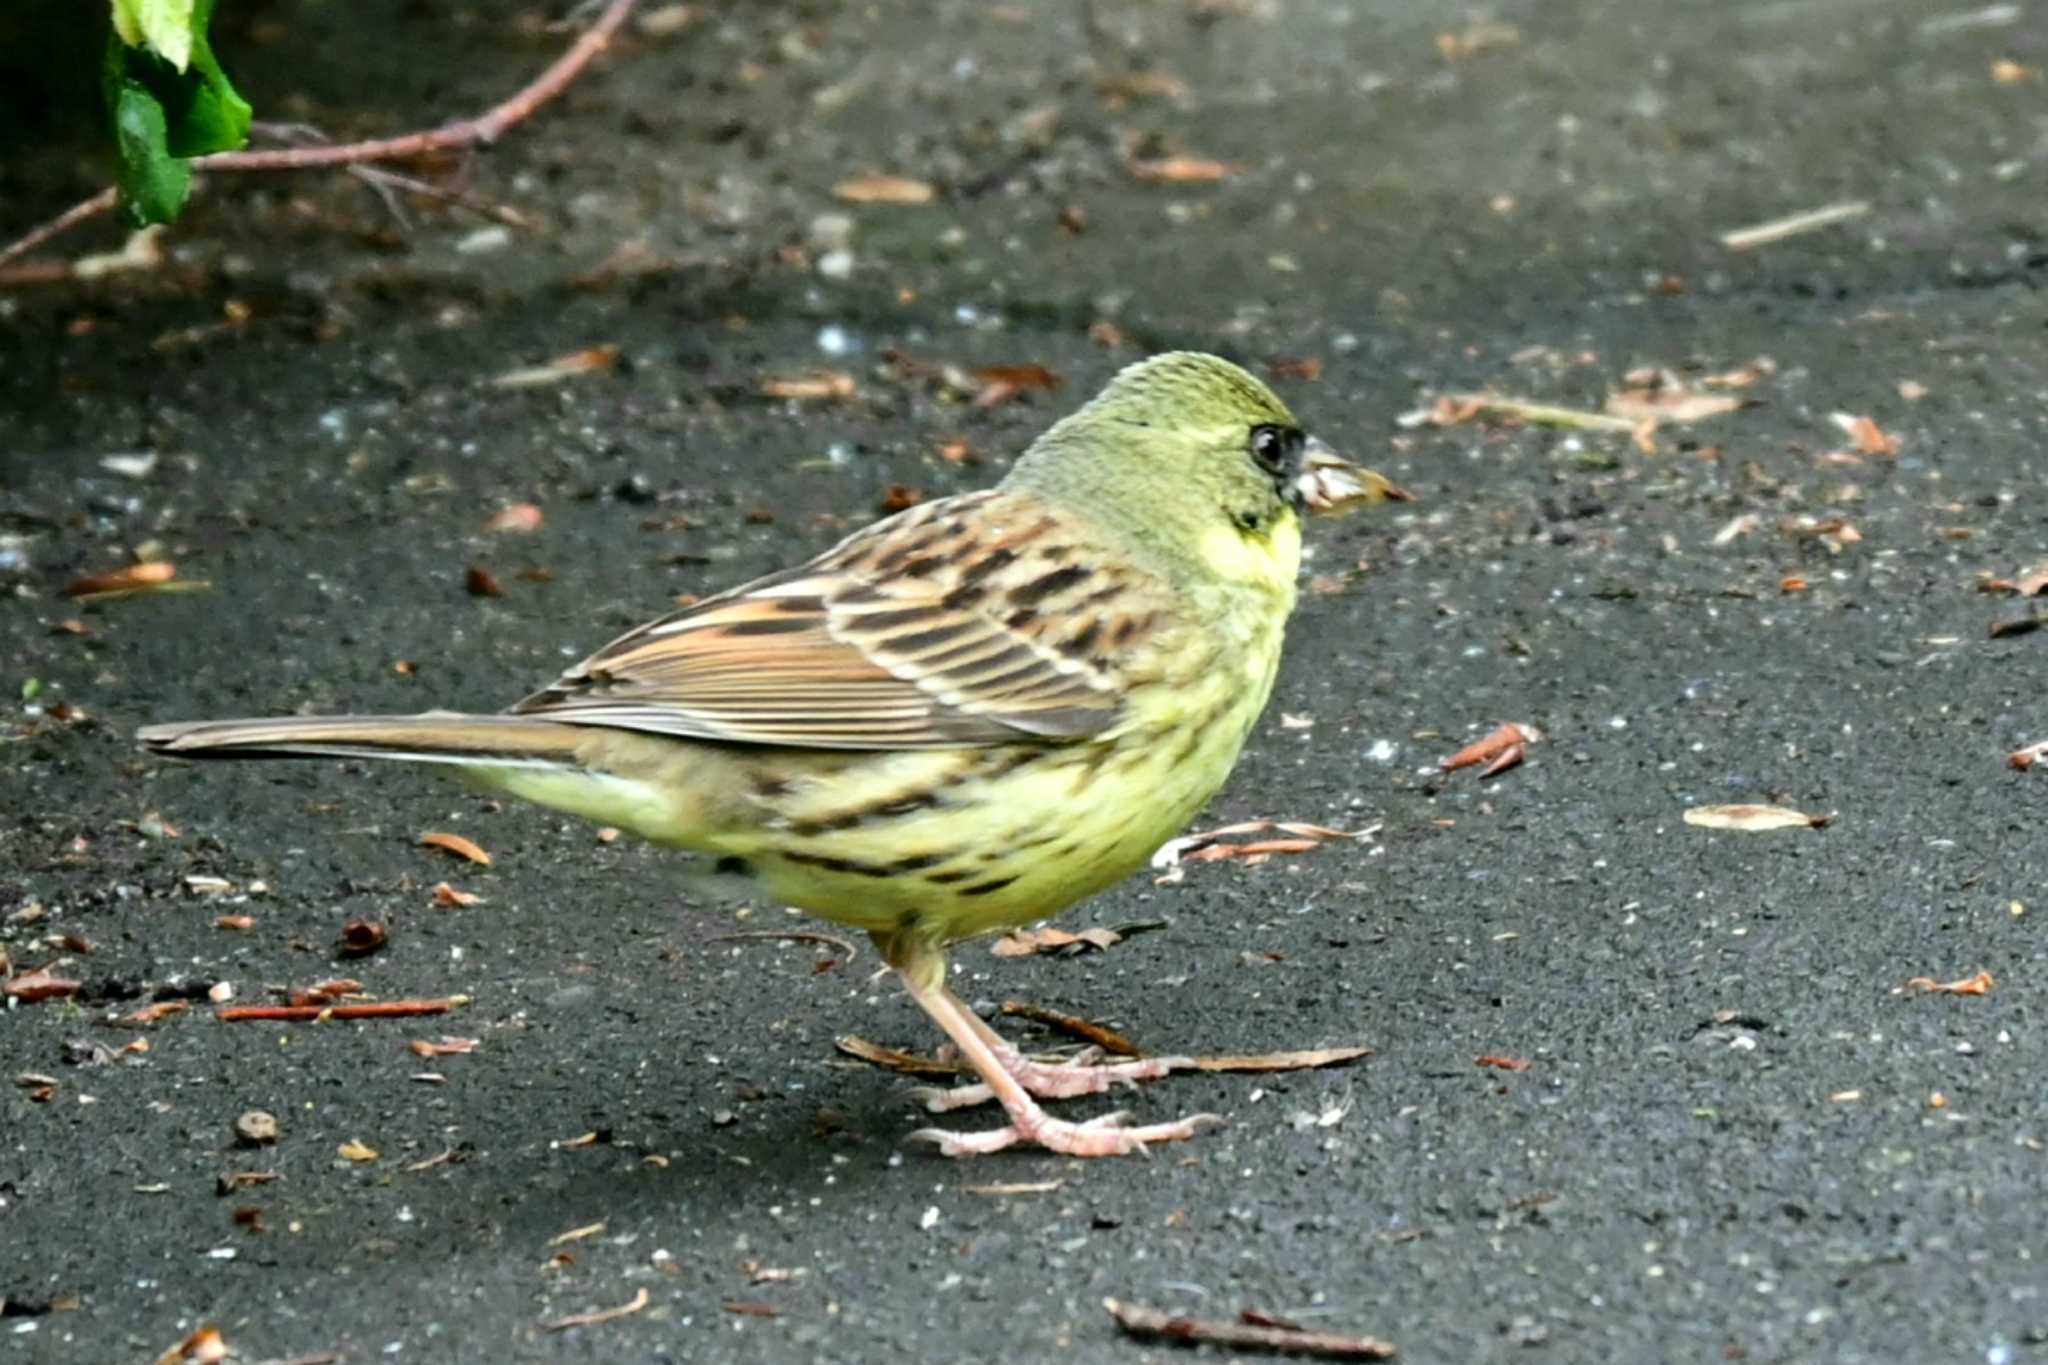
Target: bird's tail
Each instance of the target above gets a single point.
(433, 737)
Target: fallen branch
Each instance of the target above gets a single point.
(482, 130)
(374, 1009)
(1152, 1325)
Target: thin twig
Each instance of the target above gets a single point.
(600, 1315)
(375, 1009)
(103, 202)
(1778, 229)
(1151, 1324)
(482, 130)
(1109, 1040)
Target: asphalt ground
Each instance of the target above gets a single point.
(1740, 1135)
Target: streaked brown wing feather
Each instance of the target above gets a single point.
(966, 622)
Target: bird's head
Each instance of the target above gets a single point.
(1197, 457)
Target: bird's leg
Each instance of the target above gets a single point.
(923, 969)
(1052, 1081)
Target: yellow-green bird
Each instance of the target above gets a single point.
(962, 719)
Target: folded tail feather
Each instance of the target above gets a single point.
(433, 737)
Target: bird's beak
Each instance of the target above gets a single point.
(1327, 483)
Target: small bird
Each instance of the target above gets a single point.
(964, 718)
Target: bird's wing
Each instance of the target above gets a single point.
(976, 620)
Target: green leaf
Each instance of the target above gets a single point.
(165, 26)
(153, 182)
(164, 111)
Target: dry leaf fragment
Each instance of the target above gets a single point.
(1046, 938)
(1506, 742)
(129, 579)
(154, 1014)
(1866, 435)
(810, 384)
(1181, 170)
(2006, 71)
(362, 937)
(884, 189)
(518, 517)
(447, 1047)
(1980, 984)
(1792, 582)
(589, 360)
(899, 496)
(1502, 1063)
(1742, 376)
(239, 923)
(326, 992)
(2026, 758)
(1754, 818)
(204, 1347)
(353, 1150)
(1208, 846)
(32, 987)
(1912, 390)
(1150, 1324)
(1659, 396)
(481, 582)
(448, 897)
(1476, 38)
(998, 384)
(1303, 367)
(894, 1059)
(456, 844)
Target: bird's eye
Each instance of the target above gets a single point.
(1270, 447)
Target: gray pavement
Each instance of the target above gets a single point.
(1738, 1137)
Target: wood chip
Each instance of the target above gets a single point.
(884, 189)
(1181, 170)
(1980, 984)
(127, 579)
(596, 1316)
(449, 898)
(1865, 435)
(589, 360)
(457, 845)
(352, 1150)
(519, 517)
(812, 384)
(1151, 1324)
(1491, 748)
(1501, 1063)
(32, 987)
(2026, 758)
(1754, 818)
(576, 1234)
